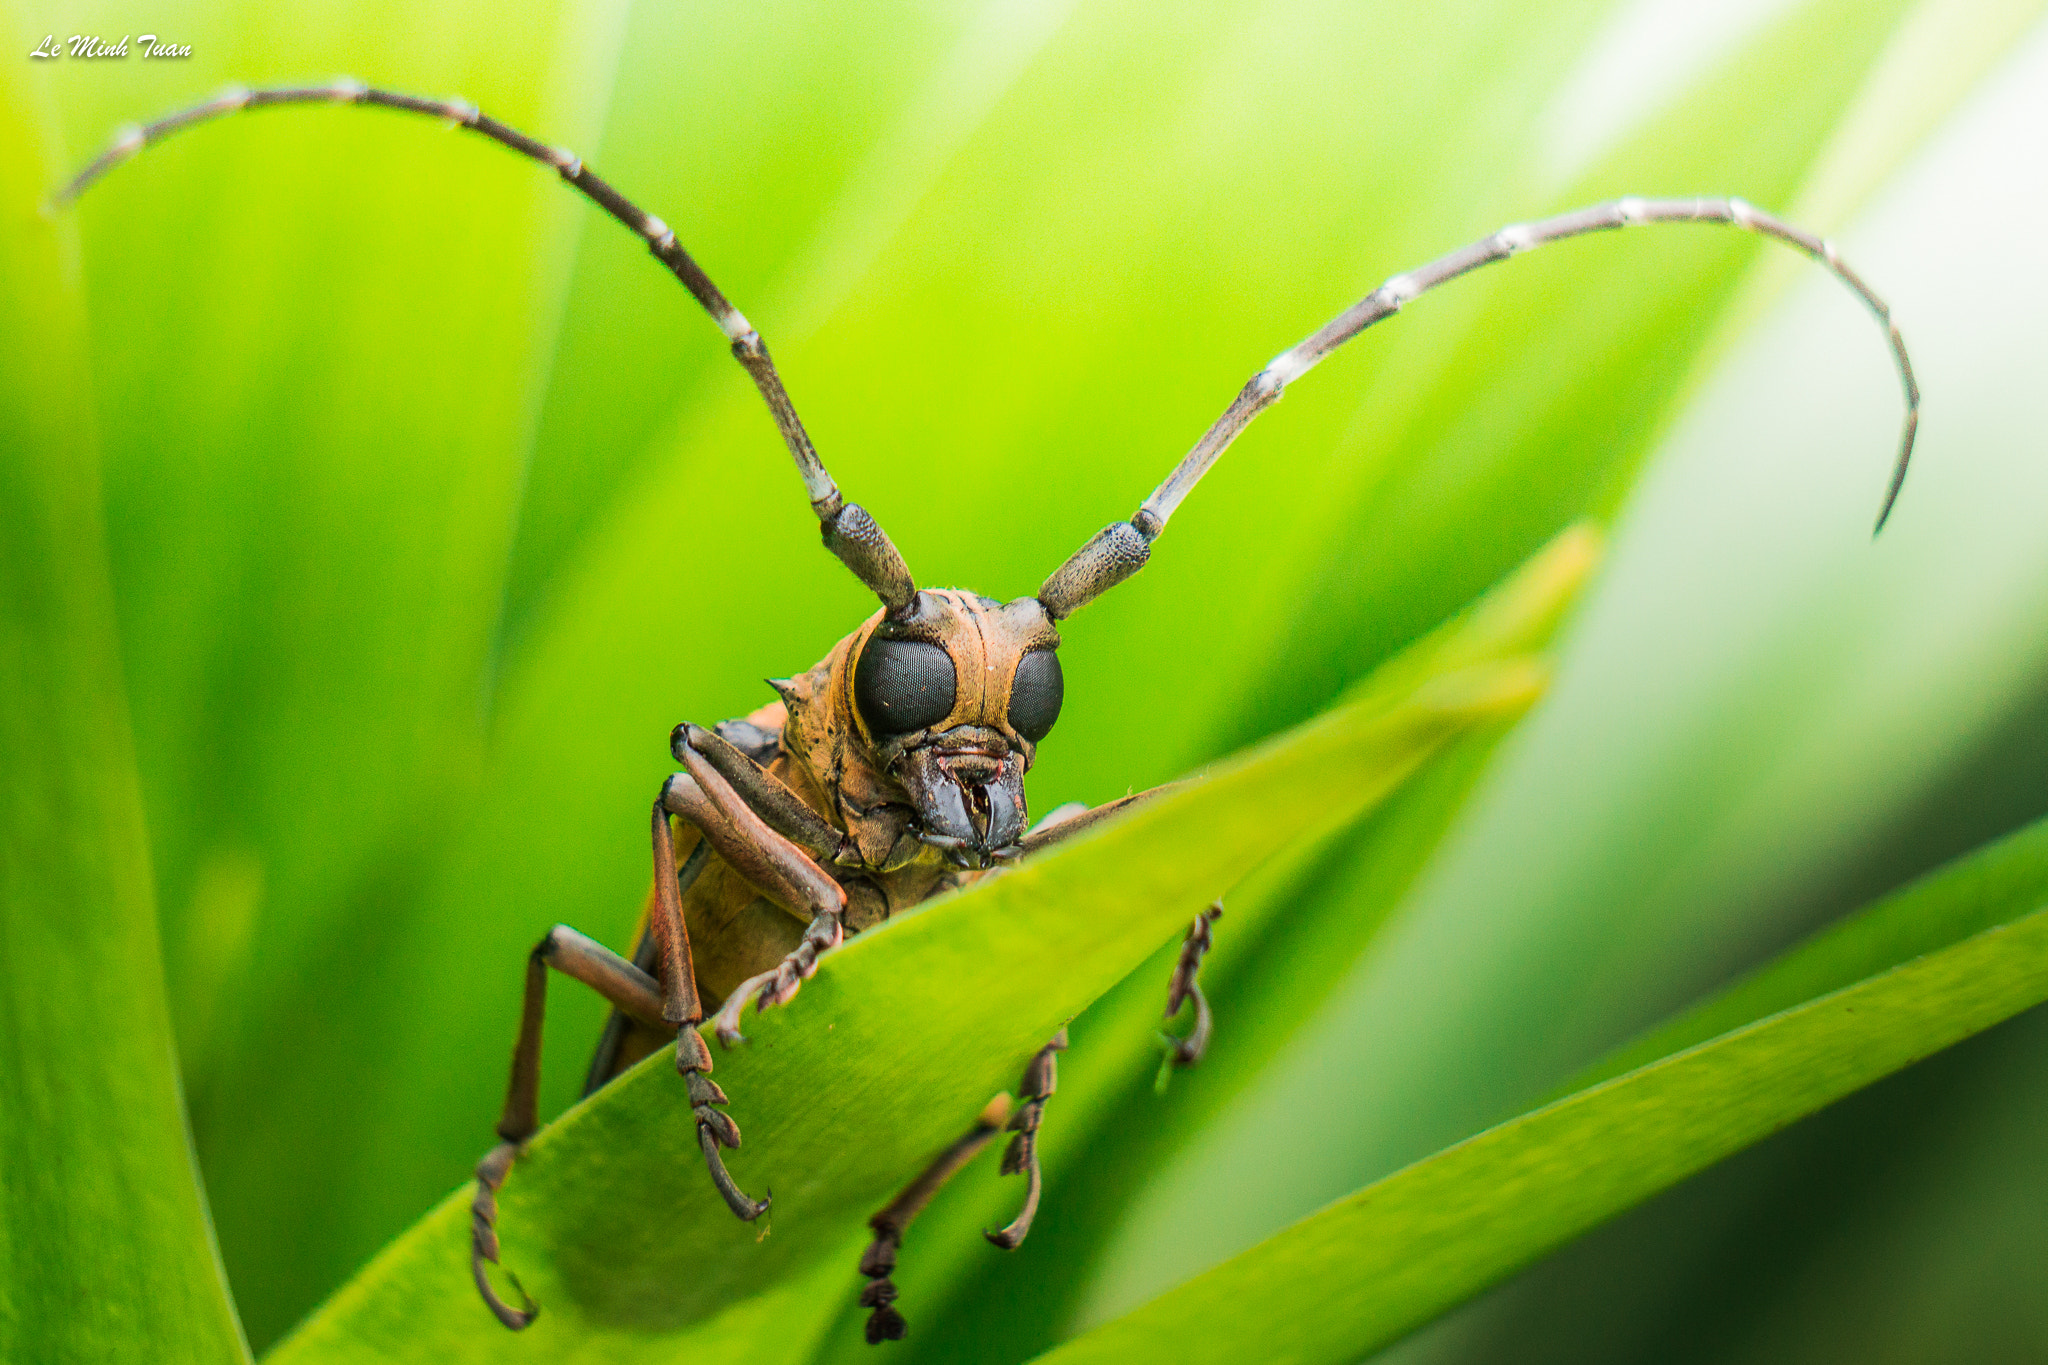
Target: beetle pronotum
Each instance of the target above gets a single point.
(894, 768)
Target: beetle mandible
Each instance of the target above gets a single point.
(893, 769)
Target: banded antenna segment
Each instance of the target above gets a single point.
(1121, 549)
(849, 531)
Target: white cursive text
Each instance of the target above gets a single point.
(90, 46)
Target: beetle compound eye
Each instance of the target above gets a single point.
(1036, 694)
(902, 685)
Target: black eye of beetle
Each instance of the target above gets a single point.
(902, 685)
(1036, 694)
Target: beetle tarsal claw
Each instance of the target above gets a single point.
(1041, 1078)
(483, 1240)
(518, 1319)
(780, 983)
(716, 1129)
(743, 1208)
(1022, 1155)
(1025, 1153)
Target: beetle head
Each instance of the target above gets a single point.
(951, 698)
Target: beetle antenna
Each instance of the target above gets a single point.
(849, 531)
(1120, 550)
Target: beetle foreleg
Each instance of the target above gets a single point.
(771, 863)
(779, 869)
(647, 954)
(764, 793)
(631, 991)
(1041, 1078)
(782, 981)
(682, 1007)
(1186, 1051)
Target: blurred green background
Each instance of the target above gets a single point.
(431, 505)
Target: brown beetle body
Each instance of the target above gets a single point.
(816, 743)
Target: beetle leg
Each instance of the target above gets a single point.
(782, 981)
(634, 993)
(780, 870)
(1062, 824)
(770, 862)
(681, 1006)
(1041, 1078)
(764, 793)
(1186, 1051)
(606, 1058)
(878, 1262)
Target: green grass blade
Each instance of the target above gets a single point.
(1997, 883)
(318, 337)
(890, 1050)
(105, 1252)
(1932, 1170)
(1379, 1263)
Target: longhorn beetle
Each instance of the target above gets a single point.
(894, 769)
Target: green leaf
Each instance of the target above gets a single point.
(317, 401)
(105, 1251)
(1363, 1272)
(1997, 883)
(899, 1040)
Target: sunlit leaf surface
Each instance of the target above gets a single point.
(105, 1251)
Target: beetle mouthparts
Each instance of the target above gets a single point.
(968, 803)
